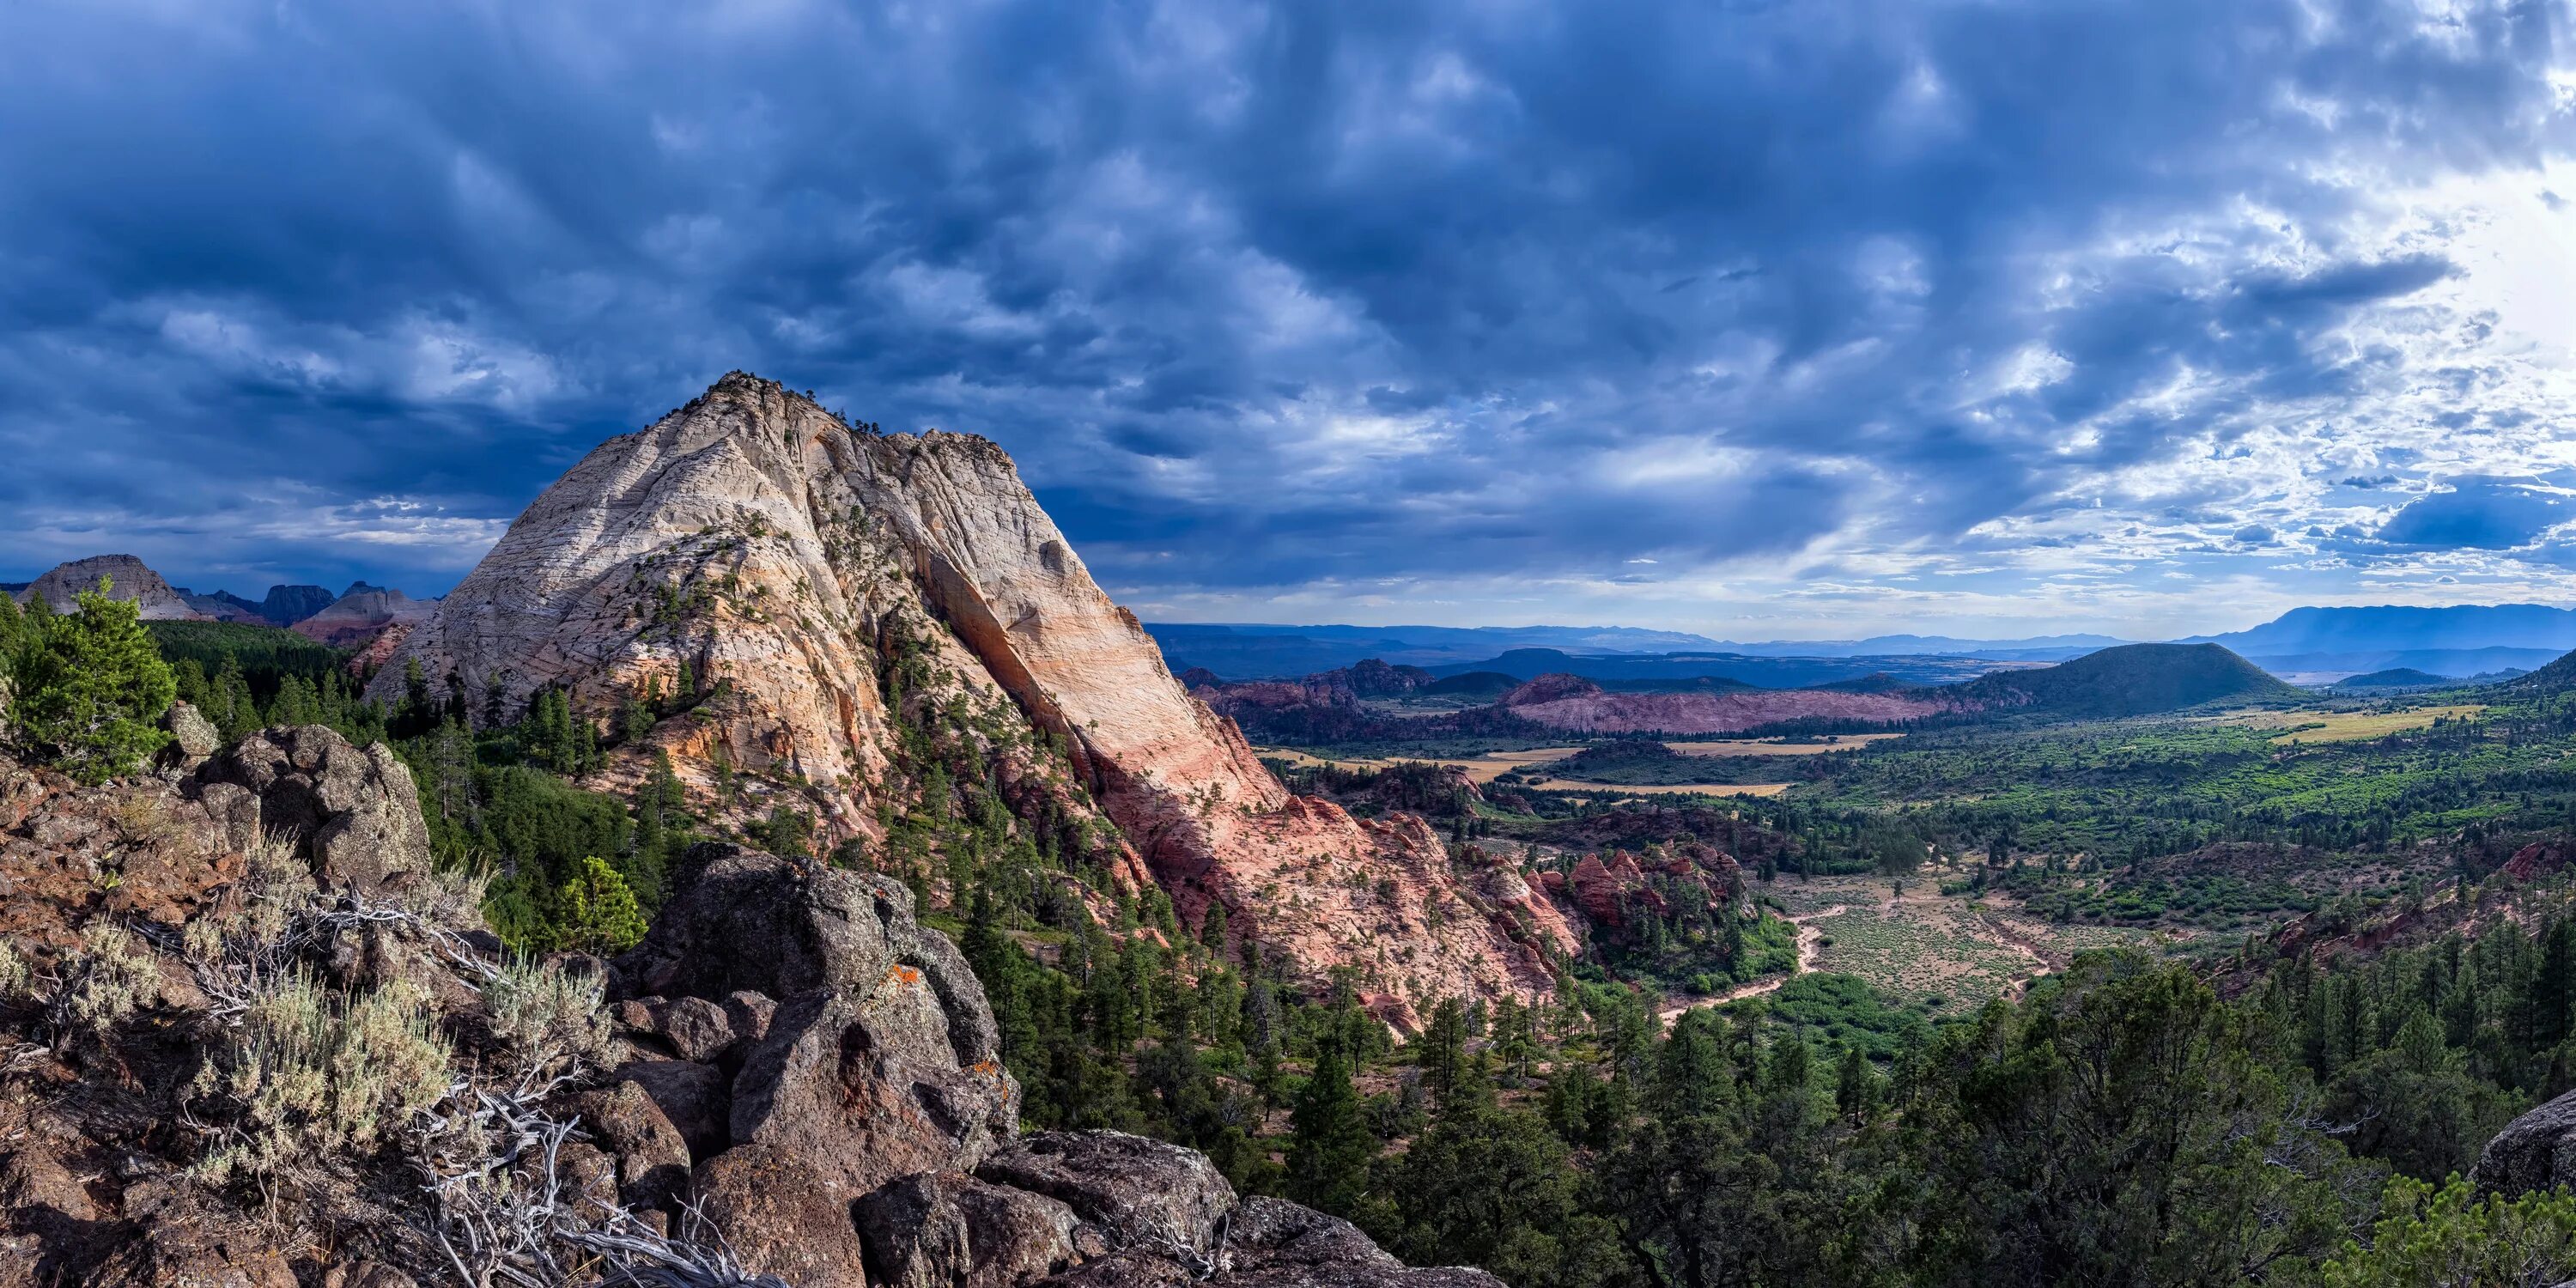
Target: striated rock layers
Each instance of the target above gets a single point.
(128, 578)
(775, 573)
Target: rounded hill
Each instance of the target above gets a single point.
(2130, 680)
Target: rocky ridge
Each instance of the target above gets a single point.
(787, 564)
(789, 1083)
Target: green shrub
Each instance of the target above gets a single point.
(311, 1076)
(600, 913)
(550, 1016)
(2449, 1237)
(114, 976)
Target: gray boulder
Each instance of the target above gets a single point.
(2533, 1152)
(950, 1231)
(1268, 1232)
(353, 808)
(869, 1090)
(192, 736)
(774, 1217)
(759, 923)
(1139, 1193)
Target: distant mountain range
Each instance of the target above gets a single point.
(356, 617)
(1257, 650)
(1784, 672)
(2037, 648)
(2304, 645)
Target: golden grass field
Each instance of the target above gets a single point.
(2348, 726)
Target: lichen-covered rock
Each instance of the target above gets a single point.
(353, 808)
(779, 1220)
(2534, 1152)
(947, 1231)
(694, 1097)
(1268, 1232)
(1125, 1270)
(758, 923)
(192, 736)
(1340, 1275)
(869, 1090)
(1139, 1193)
(696, 1028)
(652, 1156)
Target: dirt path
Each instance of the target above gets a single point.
(1810, 943)
(1992, 928)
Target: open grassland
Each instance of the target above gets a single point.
(1954, 954)
(2348, 726)
(1780, 746)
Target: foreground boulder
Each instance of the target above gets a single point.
(158, 849)
(2534, 1152)
(870, 1131)
(353, 808)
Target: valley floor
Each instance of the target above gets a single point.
(1949, 952)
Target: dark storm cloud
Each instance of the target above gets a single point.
(1258, 296)
(2479, 513)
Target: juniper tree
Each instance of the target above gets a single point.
(92, 686)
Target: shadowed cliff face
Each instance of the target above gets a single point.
(783, 561)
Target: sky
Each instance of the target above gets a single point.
(1750, 318)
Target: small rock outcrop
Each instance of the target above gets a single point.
(2534, 1152)
(354, 808)
(159, 848)
(128, 578)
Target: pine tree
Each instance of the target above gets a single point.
(600, 913)
(1329, 1145)
(416, 711)
(17, 636)
(1443, 1056)
(239, 710)
(92, 687)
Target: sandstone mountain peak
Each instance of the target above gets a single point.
(807, 604)
(128, 577)
(363, 614)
